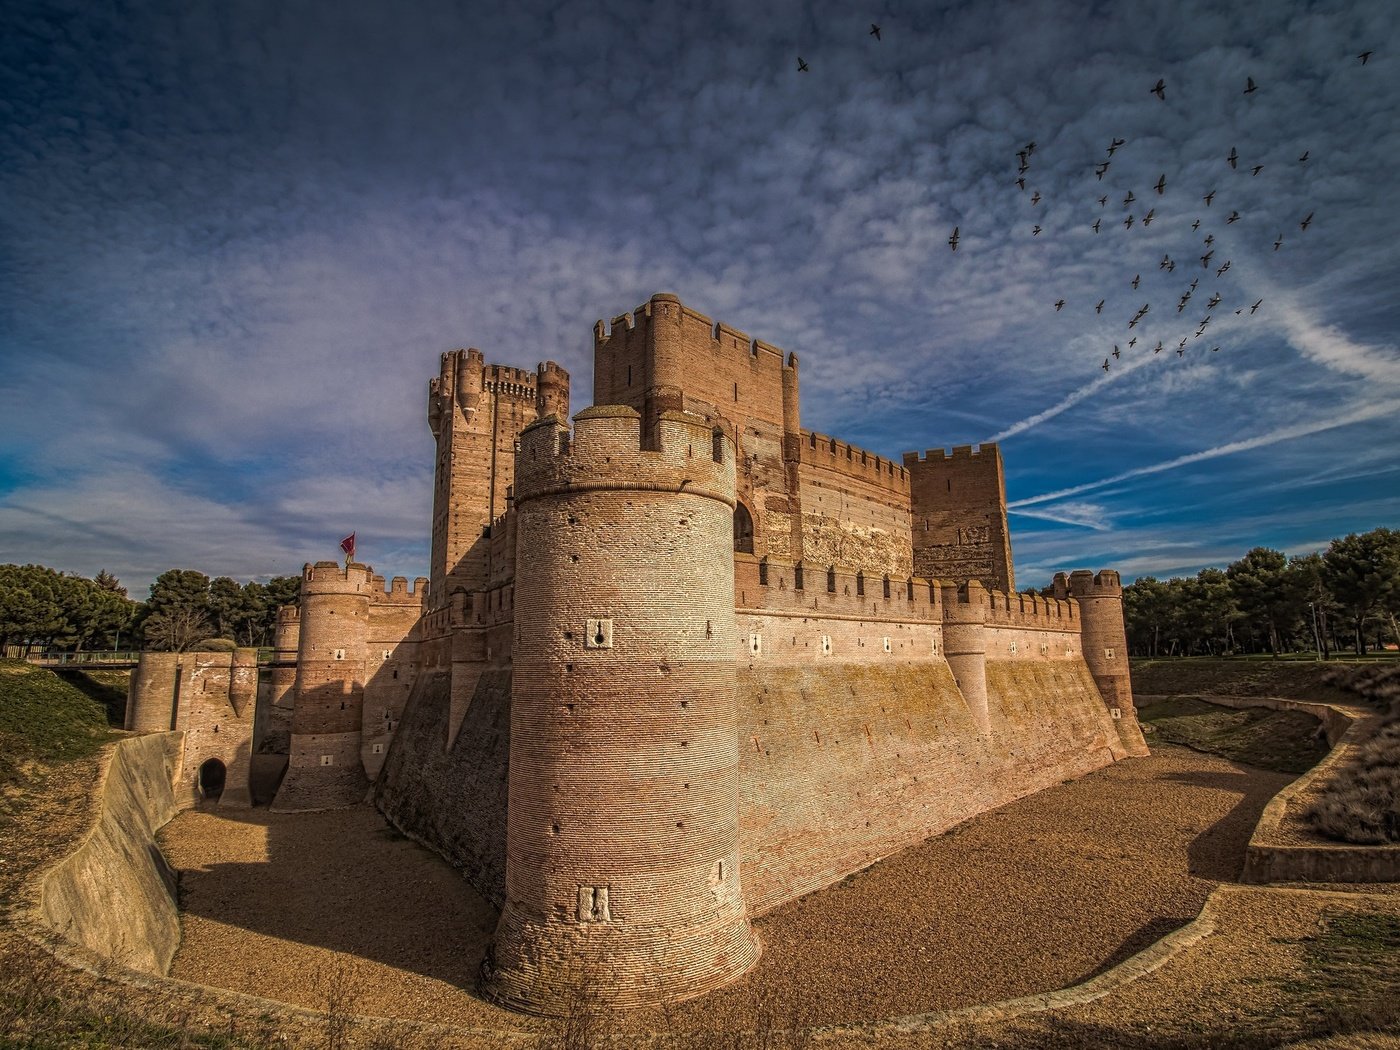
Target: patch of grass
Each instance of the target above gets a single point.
(1235, 676)
(1283, 741)
(44, 719)
(1352, 983)
(1360, 804)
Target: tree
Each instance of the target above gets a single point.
(176, 628)
(1363, 573)
(179, 601)
(1267, 593)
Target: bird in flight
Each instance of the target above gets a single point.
(801, 65)
(1256, 306)
(1210, 239)
(1035, 197)
(1059, 304)
(1096, 225)
(1098, 309)
(1208, 198)
(1256, 169)
(1306, 222)
(1161, 184)
(1304, 158)
(874, 30)
(953, 240)
(1132, 342)
(1158, 348)
(1113, 146)
(1233, 158)
(1103, 200)
(1220, 272)
(1234, 217)
(1116, 352)
(1195, 281)
(1213, 349)
(1035, 231)
(1171, 266)
(1365, 56)
(1147, 219)
(1021, 185)
(1278, 243)
(1101, 170)
(1181, 351)
(1104, 366)
(1160, 89)
(1196, 225)
(1128, 223)
(1250, 86)
(1213, 301)
(1205, 259)
(1030, 147)
(1128, 199)
(1135, 284)
(1163, 264)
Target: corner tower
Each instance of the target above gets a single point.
(476, 412)
(958, 511)
(622, 856)
(1104, 641)
(324, 770)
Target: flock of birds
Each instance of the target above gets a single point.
(1156, 194)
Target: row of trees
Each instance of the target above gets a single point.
(1346, 597)
(41, 608)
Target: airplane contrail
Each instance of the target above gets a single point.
(1244, 445)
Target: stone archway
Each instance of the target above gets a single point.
(212, 775)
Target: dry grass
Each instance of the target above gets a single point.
(1360, 804)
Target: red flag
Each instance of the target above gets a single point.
(348, 546)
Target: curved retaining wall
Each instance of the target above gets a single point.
(116, 894)
(1270, 861)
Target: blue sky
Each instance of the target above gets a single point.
(234, 238)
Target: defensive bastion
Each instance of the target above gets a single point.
(673, 668)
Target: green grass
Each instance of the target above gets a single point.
(45, 718)
(1233, 676)
(1352, 979)
(1283, 741)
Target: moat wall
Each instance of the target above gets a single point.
(453, 799)
(116, 895)
(841, 763)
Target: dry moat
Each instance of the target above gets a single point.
(1034, 896)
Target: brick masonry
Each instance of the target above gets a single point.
(672, 668)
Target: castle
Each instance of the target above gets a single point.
(672, 668)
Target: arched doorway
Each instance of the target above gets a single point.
(743, 530)
(211, 778)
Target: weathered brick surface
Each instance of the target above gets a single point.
(958, 512)
(210, 698)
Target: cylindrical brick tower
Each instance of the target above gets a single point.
(667, 363)
(622, 859)
(965, 645)
(1104, 641)
(551, 391)
(324, 769)
(151, 695)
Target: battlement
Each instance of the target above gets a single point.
(606, 451)
(958, 452)
(829, 453)
(776, 585)
(1106, 583)
(1031, 610)
(505, 381)
(328, 577)
(695, 329)
(288, 614)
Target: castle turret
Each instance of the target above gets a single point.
(324, 769)
(476, 412)
(153, 693)
(1104, 640)
(622, 860)
(965, 645)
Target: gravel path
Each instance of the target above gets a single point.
(1034, 896)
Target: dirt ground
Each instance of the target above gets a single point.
(1035, 896)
